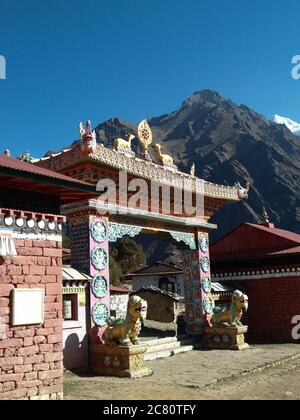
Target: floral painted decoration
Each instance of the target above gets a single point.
(100, 314)
(203, 243)
(205, 265)
(99, 258)
(99, 231)
(206, 284)
(100, 286)
(208, 305)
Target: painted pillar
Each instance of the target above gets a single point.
(90, 253)
(197, 278)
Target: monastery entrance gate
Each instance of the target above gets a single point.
(90, 235)
(95, 222)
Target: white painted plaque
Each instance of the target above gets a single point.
(28, 307)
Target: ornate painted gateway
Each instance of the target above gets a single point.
(138, 194)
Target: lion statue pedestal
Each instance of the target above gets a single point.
(227, 332)
(225, 338)
(122, 355)
(120, 361)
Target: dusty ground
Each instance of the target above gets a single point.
(263, 372)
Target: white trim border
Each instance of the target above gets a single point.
(37, 236)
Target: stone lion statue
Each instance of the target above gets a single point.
(126, 332)
(231, 317)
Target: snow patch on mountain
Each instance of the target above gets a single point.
(293, 126)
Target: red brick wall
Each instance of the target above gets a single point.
(272, 305)
(31, 357)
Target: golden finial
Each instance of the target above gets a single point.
(265, 216)
(145, 136)
(193, 170)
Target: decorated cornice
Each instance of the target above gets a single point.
(29, 225)
(187, 238)
(139, 168)
(257, 274)
(118, 231)
(32, 215)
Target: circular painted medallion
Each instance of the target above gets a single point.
(20, 222)
(51, 225)
(99, 258)
(205, 264)
(100, 286)
(208, 305)
(203, 243)
(100, 314)
(41, 224)
(99, 231)
(8, 221)
(30, 223)
(206, 284)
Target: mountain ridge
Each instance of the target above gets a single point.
(228, 143)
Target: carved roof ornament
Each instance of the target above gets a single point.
(166, 160)
(26, 157)
(124, 146)
(87, 138)
(165, 174)
(242, 192)
(193, 170)
(145, 137)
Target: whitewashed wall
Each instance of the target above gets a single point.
(147, 281)
(118, 303)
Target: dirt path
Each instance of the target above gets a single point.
(281, 383)
(185, 377)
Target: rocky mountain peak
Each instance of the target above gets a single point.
(203, 97)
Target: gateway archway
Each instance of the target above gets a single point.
(90, 233)
(90, 237)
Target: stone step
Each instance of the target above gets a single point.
(183, 349)
(157, 355)
(155, 341)
(170, 345)
(161, 348)
(167, 353)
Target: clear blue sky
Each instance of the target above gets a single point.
(70, 60)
